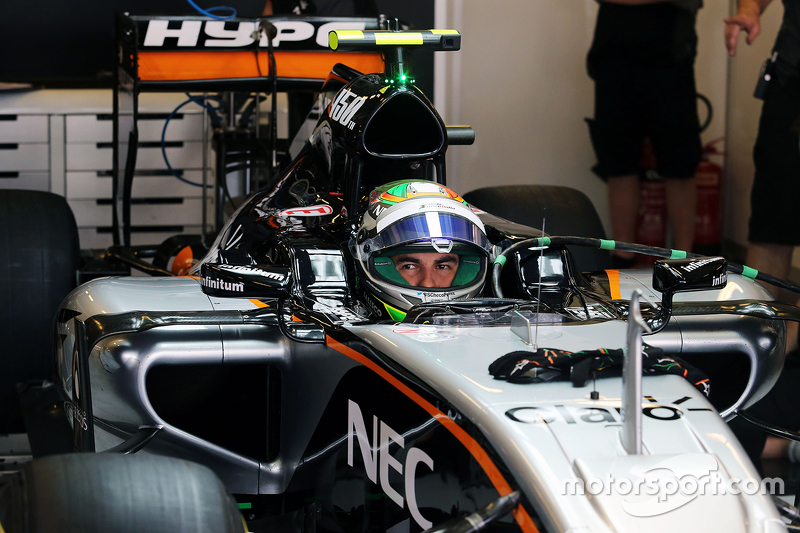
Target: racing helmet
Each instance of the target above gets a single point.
(410, 217)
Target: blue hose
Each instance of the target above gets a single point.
(209, 12)
(213, 110)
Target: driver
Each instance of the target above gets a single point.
(429, 270)
(418, 242)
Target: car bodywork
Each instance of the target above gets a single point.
(320, 410)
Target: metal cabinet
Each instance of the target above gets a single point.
(61, 141)
(24, 151)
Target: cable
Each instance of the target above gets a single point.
(604, 244)
(766, 427)
(215, 118)
(271, 32)
(258, 64)
(209, 12)
(257, 42)
(710, 109)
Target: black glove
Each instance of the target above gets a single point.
(546, 364)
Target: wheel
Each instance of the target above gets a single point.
(567, 212)
(94, 493)
(39, 256)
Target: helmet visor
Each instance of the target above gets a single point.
(427, 227)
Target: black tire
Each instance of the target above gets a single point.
(567, 212)
(39, 255)
(94, 493)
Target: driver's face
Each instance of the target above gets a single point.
(430, 270)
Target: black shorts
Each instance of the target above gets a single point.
(774, 212)
(632, 103)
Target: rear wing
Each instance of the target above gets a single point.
(174, 53)
(197, 54)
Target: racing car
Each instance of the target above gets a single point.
(296, 360)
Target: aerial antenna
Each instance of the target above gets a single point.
(539, 293)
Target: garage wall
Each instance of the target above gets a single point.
(520, 80)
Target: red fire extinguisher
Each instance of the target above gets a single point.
(708, 232)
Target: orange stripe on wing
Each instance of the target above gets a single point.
(613, 283)
(500, 484)
(205, 65)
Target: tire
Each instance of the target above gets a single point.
(567, 212)
(94, 493)
(39, 256)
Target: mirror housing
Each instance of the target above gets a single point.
(671, 276)
(684, 275)
(245, 281)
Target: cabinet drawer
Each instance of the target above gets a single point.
(164, 212)
(14, 156)
(99, 184)
(23, 129)
(100, 156)
(100, 128)
(38, 181)
(101, 237)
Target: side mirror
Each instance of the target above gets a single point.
(683, 275)
(671, 276)
(245, 281)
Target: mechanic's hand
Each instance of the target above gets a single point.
(747, 20)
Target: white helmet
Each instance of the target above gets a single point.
(411, 217)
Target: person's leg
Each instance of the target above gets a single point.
(776, 260)
(682, 211)
(617, 132)
(675, 134)
(772, 230)
(772, 259)
(623, 203)
(773, 211)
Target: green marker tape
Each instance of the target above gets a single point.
(607, 245)
(544, 241)
(245, 506)
(749, 272)
(678, 254)
(501, 259)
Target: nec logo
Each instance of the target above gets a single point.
(222, 34)
(377, 458)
